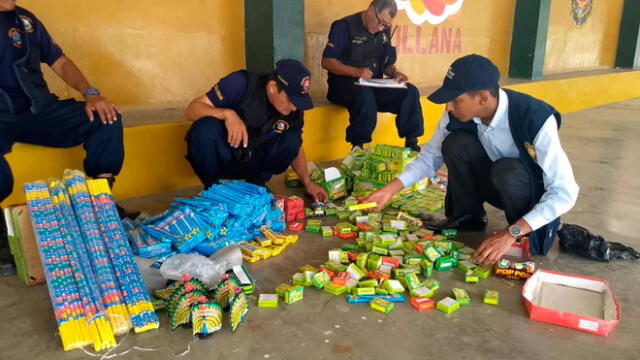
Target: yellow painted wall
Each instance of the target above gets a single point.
(146, 52)
(143, 174)
(592, 46)
(424, 63)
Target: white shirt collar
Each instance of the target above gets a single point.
(500, 117)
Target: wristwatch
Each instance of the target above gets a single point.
(515, 231)
(90, 91)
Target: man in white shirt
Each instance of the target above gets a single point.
(500, 146)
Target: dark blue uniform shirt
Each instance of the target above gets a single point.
(340, 40)
(229, 92)
(13, 47)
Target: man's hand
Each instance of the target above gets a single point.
(365, 73)
(316, 191)
(493, 248)
(380, 197)
(106, 110)
(236, 129)
(400, 77)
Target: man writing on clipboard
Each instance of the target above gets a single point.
(359, 46)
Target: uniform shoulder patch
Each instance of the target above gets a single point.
(27, 23)
(216, 88)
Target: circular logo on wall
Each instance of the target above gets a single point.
(432, 11)
(580, 11)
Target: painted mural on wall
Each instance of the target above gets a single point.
(415, 40)
(432, 11)
(580, 11)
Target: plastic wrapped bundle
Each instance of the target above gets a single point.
(98, 253)
(67, 299)
(134, 292)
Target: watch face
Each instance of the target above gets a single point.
(515, 230)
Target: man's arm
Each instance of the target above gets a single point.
(69, 72)
(334, 51)
(334, 66)
(299, 165)
(203, 107)
(393, 72)
(561, 192)
(426, 164)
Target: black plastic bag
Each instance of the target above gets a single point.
(575, 239)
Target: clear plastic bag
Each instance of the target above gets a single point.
(207, 270)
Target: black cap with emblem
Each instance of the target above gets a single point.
(295, 79)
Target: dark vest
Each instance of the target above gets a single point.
(257, 112)
(366, 50)
(28, 71)
(527, 115)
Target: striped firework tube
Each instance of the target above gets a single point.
(138, 302)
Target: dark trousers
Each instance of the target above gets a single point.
(212, 158)
(63, 125)
(474, 179)
(364, 103)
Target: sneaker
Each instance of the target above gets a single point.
(122, 213)
(7, 269)
(412, 143)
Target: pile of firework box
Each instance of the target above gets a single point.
(225, 214)
(362, 172)
(391, 253)
(95, 287)
(368, 171)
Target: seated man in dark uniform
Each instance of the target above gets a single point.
(29, 113)
(249, 126)
(360, 47)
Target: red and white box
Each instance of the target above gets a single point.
(516, 263)
(577, 302)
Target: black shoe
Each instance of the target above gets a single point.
(463, 223)
(412, 143)
(7, 269)
(122, 213)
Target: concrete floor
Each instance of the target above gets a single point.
(603, 147)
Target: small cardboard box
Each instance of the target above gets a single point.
(577, 302)
(23, 245)
(516, 263)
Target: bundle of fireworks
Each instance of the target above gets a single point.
(225, 214)
(266, 245)
(190, 304)
(95, 287)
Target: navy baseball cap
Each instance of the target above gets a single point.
(295, 79)
(468, 73)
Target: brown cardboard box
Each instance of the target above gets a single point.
(23, 245)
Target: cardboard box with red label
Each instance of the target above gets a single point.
(578, 302)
